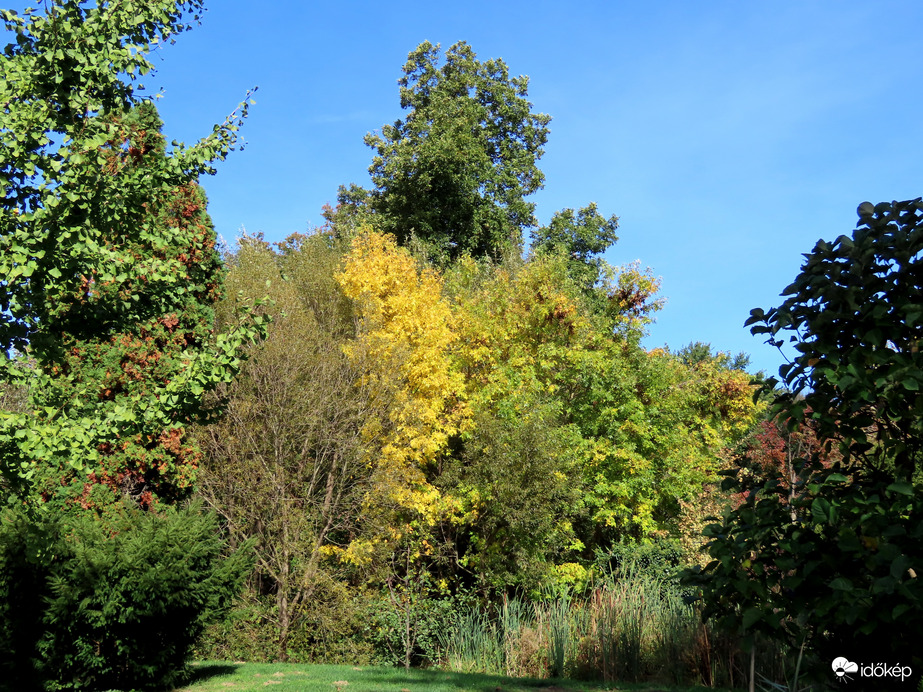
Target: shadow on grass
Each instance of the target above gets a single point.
(201, 672)
(420, 680)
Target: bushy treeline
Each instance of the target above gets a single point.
(407, 433)
(447, 447)
(439, 415)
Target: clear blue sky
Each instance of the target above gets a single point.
(727, 136)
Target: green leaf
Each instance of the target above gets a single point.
(841, 584)
(901, 487)
(899, 610)
(751, 616)
(820, 510)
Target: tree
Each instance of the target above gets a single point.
(517, 469)
(454, 173)
(700, 352)
(403, 347)
(628, 430)
(107, 260)
(286, 465)
(514, 474)
(581, 237)
(108, 270)
(842, 575)
(406, 330)
(115, 604)
(624, 297)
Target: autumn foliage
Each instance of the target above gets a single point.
(503, 432)
(433, 417)
(106, 368)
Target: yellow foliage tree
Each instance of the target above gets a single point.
(404, 342)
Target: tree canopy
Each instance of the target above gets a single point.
(455, 172)
(104, 244)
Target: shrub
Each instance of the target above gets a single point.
(427, 616)
(111, 604)
(330, 628)
(659, 559)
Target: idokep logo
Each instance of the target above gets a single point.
(844, 669)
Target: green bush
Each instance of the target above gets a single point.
(96, 605)
(22, 588)
(330, 628)
(429, 618)
(658, 559)
(244, 633)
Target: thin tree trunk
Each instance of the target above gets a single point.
(752, 687)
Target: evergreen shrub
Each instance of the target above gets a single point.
(114, 603)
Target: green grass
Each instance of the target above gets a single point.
(292, 677)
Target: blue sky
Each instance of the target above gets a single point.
(727, 136)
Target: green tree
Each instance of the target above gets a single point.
(515, 473)
(286, 463)
(623, 297)
(581, 237)
(107, 260)
(455, 172)
(108, 272)
(698, 352)
(605, 435)
(843, 573)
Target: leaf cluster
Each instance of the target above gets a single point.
(833, 554)
(91, 605)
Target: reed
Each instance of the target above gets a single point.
(474, 646)
(631, 626)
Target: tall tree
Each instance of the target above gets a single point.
(95, 366)
(843, 575)
(107, 274)
(403, 346)
(107, 260)
(286, 464)
(455, 172)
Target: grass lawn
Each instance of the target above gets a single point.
(292, 677)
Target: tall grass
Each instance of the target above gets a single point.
(631, 626)
(475, 646)
(638, 628)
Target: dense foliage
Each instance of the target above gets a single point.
(454, 173)
(435, 419)
(830, 558)
(106, 258)
(474, 430)
(109, 604)
(286, 465)
(437, 426)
